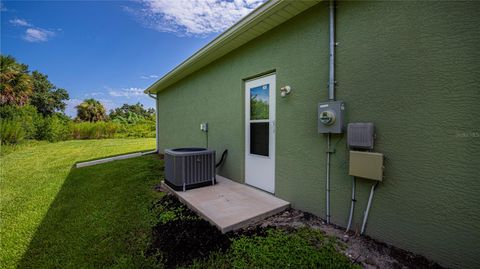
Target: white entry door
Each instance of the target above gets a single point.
(260, 133)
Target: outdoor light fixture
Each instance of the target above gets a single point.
(285, 90)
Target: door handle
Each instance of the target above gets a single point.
(272, 123)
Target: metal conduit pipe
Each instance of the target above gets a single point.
(352, 205)
(331, 79)
(331, 97)
(365, 217)
(328, 179)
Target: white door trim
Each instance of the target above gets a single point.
(260, 168)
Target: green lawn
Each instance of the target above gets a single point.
(54, 215)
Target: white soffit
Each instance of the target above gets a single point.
(267, 16)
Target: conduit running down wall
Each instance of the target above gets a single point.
(157, 118)
(331, 97)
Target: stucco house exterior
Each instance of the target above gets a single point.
(411, 68)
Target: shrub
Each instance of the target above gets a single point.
(101, 129)
(42, 129)
(93, 130)
(26, 116)
(58, 128)
(11, 132)
(143, 129)
(129, 118)
(52, 129)
(25, 122)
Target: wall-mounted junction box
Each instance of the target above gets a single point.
(330, 117)
(204, 126)
(360, 135)
(366, 165)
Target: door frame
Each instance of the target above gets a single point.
(263, 164)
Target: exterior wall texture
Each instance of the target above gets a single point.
(412, 68)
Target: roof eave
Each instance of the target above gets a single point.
(227, 36)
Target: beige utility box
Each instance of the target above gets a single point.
(366, 165)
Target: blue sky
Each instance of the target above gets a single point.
(261, 92)
(112, 50)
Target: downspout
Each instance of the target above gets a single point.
(331, 97)
(156, 121)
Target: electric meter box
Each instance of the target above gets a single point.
(330, 117)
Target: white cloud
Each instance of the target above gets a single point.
(127, 92)
(37, 35)
(149, 76)
(70, 110)
(192, 17)
(20, 22)
(33, 33)
(108, 104)
(118, 97)
(73, 102)
(90, 94)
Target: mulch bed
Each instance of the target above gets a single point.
(181, 241)
(184, 241)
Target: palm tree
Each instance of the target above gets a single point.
(16, 84)
(91, 110)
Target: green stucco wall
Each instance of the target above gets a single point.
(412, 68)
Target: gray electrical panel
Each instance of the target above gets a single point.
(330, 117)
(360, 135)
(366, 165)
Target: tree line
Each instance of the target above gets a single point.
(19, 87)
(32, 107)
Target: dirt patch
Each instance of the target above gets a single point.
(181, 236)
(183, 241)
(362, 250)
(187, 237)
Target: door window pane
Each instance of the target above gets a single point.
(259, 138)
(259, 97)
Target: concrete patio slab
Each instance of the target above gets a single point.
(230, 205)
